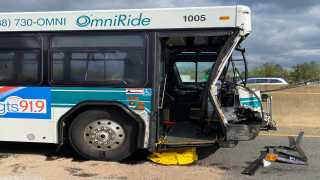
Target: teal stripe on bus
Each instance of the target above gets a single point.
(249, 99)
(111, 94)
(69, 97)
(254, 104)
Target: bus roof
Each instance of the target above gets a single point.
(221, 17)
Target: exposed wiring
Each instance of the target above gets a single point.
(248, 89)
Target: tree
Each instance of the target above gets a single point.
(191, 72)
(286, 74)
(272, 70)
(207, 71)
(304, 71)
(255, 71)
(314, 69)
(262, 72)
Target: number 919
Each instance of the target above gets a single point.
(25, 104)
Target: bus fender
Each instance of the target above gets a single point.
(86, 105)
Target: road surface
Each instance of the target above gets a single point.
(38, 161)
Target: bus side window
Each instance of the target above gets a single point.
(93, 62)
(6, 62)
(20, 60)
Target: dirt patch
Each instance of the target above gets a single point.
(224, 168)
(85, 175)
(52, 158)
(78, 172)
(93, 164)
(17, 168)
(6, 155)
(73, 170)
(219, 165)
(66, 168)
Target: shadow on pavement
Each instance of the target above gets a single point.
(49, 150)
(204, 152)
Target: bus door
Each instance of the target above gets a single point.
(181, 97)
(162, 79)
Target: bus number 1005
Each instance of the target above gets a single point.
(191, 18)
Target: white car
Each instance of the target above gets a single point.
(264, 81)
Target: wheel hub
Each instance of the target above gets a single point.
(104, 134)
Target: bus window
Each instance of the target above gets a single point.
(19, 67)
(6, 60)
(20, 60)
(57, 67)
(187, 71)
(96, 63)
(203, 71)
(97, 41)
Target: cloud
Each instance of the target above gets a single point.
(285, 32)
(71, 5)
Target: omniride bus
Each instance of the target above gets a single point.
(113, 81)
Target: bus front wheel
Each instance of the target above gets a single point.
(104, 134)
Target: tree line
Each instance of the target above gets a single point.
(299, 72)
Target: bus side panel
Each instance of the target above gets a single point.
(64, 98)
(25, 114)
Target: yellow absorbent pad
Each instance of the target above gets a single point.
(174, 156)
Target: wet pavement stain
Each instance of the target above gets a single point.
(51, 158)
(224, 168)
(73, 170)
(94, 164)
(17, 167)
(7, 155)
(85, 175)
(219, 165)
(77, 172)
(115, 177)
(138, 157)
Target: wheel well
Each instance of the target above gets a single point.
(66, 120)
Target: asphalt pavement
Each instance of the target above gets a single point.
(235, 160)
(28, 160)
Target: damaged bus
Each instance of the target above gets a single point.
(112, 81)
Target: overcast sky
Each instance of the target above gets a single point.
(283, 31)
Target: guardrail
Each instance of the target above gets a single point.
(297, 107)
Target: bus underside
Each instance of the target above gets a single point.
(198, 104)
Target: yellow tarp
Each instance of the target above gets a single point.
(174, 156)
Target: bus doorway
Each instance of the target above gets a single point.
(187, 63)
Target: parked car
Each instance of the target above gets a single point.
(264, 81)
(314, 83)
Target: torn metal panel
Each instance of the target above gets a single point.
(218, 68)
(248, 100)
(230, 114)
(146, 118)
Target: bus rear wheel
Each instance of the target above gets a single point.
(104, 134)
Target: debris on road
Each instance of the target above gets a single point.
(174, 156)
(266, 163)
(253, 167)
(294, 155)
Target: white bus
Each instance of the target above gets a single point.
(109, 82)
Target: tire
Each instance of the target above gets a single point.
(104, 126)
